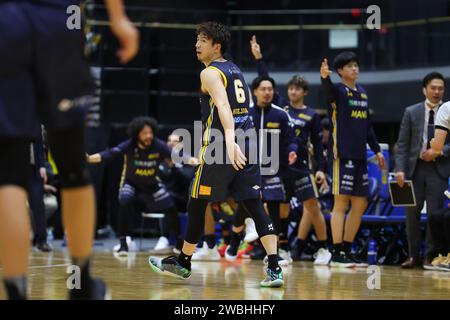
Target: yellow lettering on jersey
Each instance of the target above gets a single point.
(359, 114)
(240, 111)
(145, 172)
(304, 116)
(273, 125)
(349, 94)
(152, 156)
(364, 96)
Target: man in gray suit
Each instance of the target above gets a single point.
(427, 169)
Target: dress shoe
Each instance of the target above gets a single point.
(411, 263)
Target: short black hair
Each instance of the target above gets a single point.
(344, 58)
(257, 81)
(431, 76)
(299, 81)
(217, 32)
(137, 124)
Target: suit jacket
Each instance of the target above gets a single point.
(409, 143)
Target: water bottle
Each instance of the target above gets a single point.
(372, 252)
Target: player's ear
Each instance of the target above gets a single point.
(218, 47)
(424, 91)
(305, 92)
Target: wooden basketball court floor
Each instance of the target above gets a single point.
(131, 278)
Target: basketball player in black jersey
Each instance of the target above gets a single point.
(225, 102)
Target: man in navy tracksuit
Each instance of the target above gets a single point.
(302, 176)
(351, 131)
(276, 149)
(143, 153)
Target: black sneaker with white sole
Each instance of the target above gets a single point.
(341, 260)
(122, 251)
(169, 267)
(358, 262)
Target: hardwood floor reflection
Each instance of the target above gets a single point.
(132, 279)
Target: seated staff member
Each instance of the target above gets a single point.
(142, 153)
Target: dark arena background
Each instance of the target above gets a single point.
(163, 82)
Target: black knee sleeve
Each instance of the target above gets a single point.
(255, 209)
(15, 166)
(67, 148)
(239, 216)
(274, 214)
(196, 220)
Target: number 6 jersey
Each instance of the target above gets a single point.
(238, 97)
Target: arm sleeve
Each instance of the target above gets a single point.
(329, 89)
(119, 150)
(316, 139)
(262, 68)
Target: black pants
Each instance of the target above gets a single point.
(440, 230)
(429, 186)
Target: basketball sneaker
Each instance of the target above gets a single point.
(445, 264)
(206, 254)
(222, 248)
(130, 243)
(358, 262)
(244, 249)
(162, 244)
(340, 259)
(434, 265)
(323, 257)
(169, 266)
(122, 251)
(229, 256)
(273, 279)
(285, 255)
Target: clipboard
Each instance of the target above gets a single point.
(402, 197)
